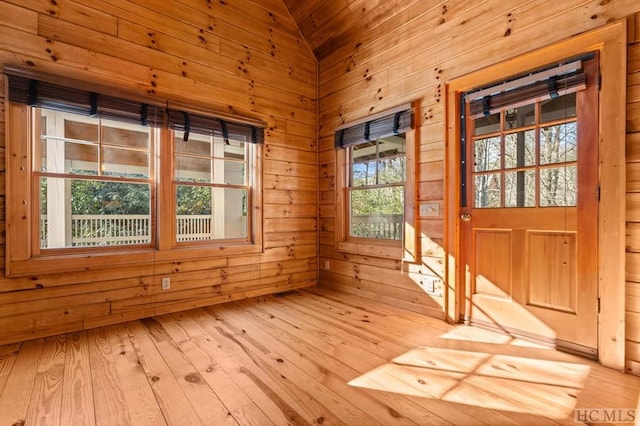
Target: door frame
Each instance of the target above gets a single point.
(610, 41)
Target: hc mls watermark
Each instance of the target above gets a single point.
(604, 415)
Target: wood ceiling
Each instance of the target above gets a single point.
(331, 24)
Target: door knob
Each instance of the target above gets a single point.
(465, 217)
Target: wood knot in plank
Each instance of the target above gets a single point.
(193, 378)
(394, 413)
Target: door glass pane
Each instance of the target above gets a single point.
(558, 108)
(520, 149)
(487, 154)
(487, 191)
(520, 116)
(520, 189)
(559, 186)
(488, 124)
(558, 143)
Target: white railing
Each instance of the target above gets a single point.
(193, 227)
(387, 227)
(112, 229)
(115, 229)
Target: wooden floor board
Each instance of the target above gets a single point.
(77, 391)
(109, 387)
(315, 356)
(131, 379)
(344, 360)
(15, 398)
(46, 398)
(291, 365)
(302, 407)
(8, 355)
(175, 406)
(277, 410)
(202, 398)
(200, 350)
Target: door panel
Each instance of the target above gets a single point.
(492, 275)
(552, 259)
(529, 234)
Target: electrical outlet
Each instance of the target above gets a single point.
(166, 283)
(326, 265)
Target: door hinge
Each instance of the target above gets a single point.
(598, 194)
(597, 305)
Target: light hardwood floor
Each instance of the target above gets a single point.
(309, 356)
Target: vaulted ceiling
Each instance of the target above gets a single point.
(331, 24)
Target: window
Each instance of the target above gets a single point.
(94, 180)
(376, 189)
(96, 172)
(375, 171)
(212, 188)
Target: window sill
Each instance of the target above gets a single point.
(88, 261)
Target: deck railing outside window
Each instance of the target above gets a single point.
(103, 230)
(388, 227)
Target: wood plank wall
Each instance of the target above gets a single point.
(410, 59)
(243, 56)
(632, 316)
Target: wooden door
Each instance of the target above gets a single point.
(529, 227)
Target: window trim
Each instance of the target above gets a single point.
(406, 249)
(21, 258)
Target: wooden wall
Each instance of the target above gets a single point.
(633, 197)
(242, 56)
(409, 58)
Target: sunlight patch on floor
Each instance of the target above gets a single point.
(481, 335)
(493, 381)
